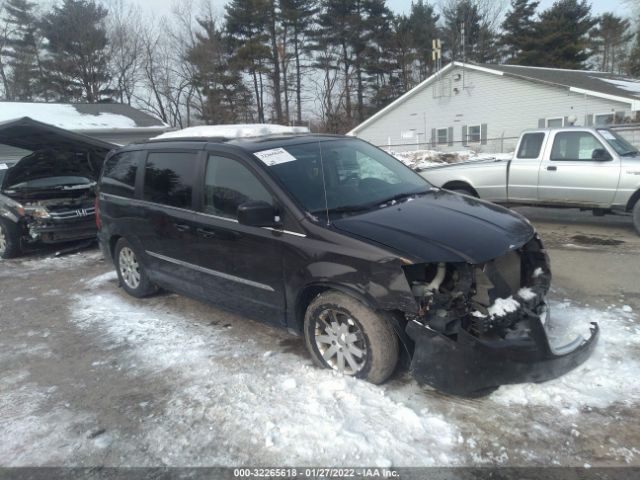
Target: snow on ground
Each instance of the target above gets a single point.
(609, 376)
(26, 265)
(266, 406)
(63, 116)
(233, 131)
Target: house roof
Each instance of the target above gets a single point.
(596, 84)
(83, 117)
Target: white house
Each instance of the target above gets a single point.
(111, 122)
(486, 107)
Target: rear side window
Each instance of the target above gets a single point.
(119, 175)
(228, 184)
(530, 145)
(169, 178)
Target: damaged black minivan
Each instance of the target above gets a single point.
(47, 197)
(333, 238)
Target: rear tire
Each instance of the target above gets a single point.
(131, 274)
(9, 239)
(345, 335)
(636, 216)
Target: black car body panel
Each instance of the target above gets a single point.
(434, 262)
(46, 212)
(476, 231)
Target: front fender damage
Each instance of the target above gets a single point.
(482, 326)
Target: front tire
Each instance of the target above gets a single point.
(131, 274)
(345, 335)
(636, 216)
(9, 239)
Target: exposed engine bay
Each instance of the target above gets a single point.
(50, 196)
(485, 299)
(481, 326)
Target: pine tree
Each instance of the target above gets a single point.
(518, 29)
(424, 29)
(632, 67)
(609, 37)
(77, 61)
(298, 16)
(461, 14)
(227, 100)
(246, 29)
(561, 36)
(22, 50)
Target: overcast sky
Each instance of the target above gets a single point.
(161, 7)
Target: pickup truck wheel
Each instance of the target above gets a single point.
(131, 274)
(9, 239)
(636, 216)
(345, 335)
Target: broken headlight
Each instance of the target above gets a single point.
(33, 211)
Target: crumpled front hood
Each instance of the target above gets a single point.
(443, 227)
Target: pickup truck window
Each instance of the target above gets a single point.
(574, 146)
(619, 144)
(530, 145)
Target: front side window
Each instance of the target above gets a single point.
(530, 145)
(119, 175)
(473, 134)
(442, 136)
(343, 175)
(228, 184)
(574, 146)
(169, 178)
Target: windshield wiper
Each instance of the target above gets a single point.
(344, 209)
(630, 153)
(400, 196)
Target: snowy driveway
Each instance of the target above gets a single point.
(89, 376)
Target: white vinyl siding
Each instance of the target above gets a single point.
(507, 106)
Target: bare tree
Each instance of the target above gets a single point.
(126, 48)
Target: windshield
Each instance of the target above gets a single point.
(357, 176)
(618, 143)
(53, 182)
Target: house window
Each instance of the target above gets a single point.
(604, 119)
(555, 122)
(442, 136)
(473, 134)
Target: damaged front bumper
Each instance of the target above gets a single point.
(468, 365)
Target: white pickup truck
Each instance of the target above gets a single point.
(587, 168)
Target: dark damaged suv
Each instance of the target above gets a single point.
(333, 238)
(47, 196)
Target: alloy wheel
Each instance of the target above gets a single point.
(340, 341)
(3, 240)
(129, 268)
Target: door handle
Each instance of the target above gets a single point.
(552, 169)
(181, 227)
(206, 233)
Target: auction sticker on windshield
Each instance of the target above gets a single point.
(275, 156)
(607, 134)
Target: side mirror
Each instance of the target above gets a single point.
(600, 155)
(257, 214)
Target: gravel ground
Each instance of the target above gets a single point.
(90, 376)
